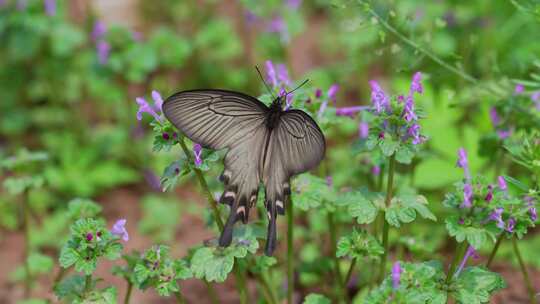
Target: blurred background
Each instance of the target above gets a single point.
(70, 72)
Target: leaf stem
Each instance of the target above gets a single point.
(414, 45)
(290, 251)
(333, 242)
(179, 298)
(270, 295)
(494, 251)
(87, 283)
(386, 227)
(128, 292)
(528, 283)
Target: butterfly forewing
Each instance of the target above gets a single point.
(214, 118)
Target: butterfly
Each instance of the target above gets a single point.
(266, 145)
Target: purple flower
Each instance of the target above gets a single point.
(396, 275)
(350, 111)
(376, 170)
(165, 136)
(119, 229)
(99, 30)
(519, 89)
(496, 216)
(89, 237)
(503, 134)
(294, 4)
(103, 50)
(22, 4)
(278, 25)
(329, 181)
(502, 183)
(2, 3)
(158, 101)
(250, 17)
(535, 97)
(197, 152)
(489, 195)
(511, 225)
(318, 93)
(144, 107)
(363, 129)
(534, 215)
(332, 91)
(494, 116)
(322, 108)
(152, 179)
(470, 252)
(50, 7)
(408, 110)
(400, 98)
(378, 97)
(463, 163)
(271, 73)
(137, 36)
(461, 221)
(467, 196)
(416, 84)
(283, 75)
(414, 132)
(288, 97)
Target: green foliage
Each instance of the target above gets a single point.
(403, 209)
(160, 218)
(314, 298)
(475, 285)
(359, 244)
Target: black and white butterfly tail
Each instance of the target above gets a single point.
(273, 208)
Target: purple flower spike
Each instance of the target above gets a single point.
(165, 136)
(489, 195)
(329, 181)
(463, 163)
(89, 237)
(318, 93)
(119, 229)
(294, 4)
(350, 111)
(323, 107)
(50, 7)
(144, 107)
(332, 91)
(535, 97)
(197, 152)
(99, 31)
(103, 50)
(378, 97)
(416, 84)
(519, 89)
(511, 225)
(396, 275)
(502, 183)
(22, 4)
(376, 170)
(271, 73)
(363, 130)
(400, 98)
(288, 97)
(158, 101)
(408, 110)
(504, 134)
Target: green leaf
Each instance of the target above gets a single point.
(68, 256)
(388, 146)
(475, 285)
(211, 264)
(113, 251)
(359, 244)
(476, 237)
(360, 207)
(404, 154)
(314, 298)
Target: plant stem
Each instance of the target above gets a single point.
(332, 228)
(414, 45)
(211, 292)
(26, 231)
(270, 295)
(494, 251)
(458, 256)
(87, 283)
(241, 284)
(530, 288)
(349, 273)
(204, 185)
(290, 251)
(386, 227)
(179, 297)
(128, 292)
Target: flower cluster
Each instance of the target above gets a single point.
(154, 110)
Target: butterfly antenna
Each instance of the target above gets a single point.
(298, 87)
(265, 84)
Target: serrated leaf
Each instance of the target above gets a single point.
(113, 251)
(210, 266)
(475, 285)
(388, 146)
(404, 154)
(314, 298)
(361, 208)
(68, 257)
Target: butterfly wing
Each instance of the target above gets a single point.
(297, 145)
(221, 119)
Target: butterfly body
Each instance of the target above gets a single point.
(265, 145)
